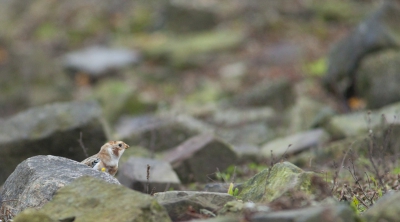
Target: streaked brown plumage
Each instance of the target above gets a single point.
(107, 158)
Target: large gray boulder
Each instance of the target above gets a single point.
(36, 180)
(379, 31)
(92, 200)
(51, 129)
(198, 158)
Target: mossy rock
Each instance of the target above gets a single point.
(270, 184)
(89, 199)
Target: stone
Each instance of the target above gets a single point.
(92, 200)
(188, 50)
(307, 113)
(182, 205)
(119, 97)
(98, 60)
(378, 78)
(35, 180)
(360, 123)
(51, 129)
(133, 174)
(331, 213)
(248, 153)
(379, 31)
(385, 209)
(243, 127)
(246, 135)
(221, 219)
(232, 117)
(332, 152)
(155, 132)
(295, 143)
(200, 157)
(196, 18)
(278, 94)
(31, 215)
(271, 184)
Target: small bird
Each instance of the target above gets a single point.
(106, 160)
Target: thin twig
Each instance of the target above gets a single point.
(80, 141)
(148, 178)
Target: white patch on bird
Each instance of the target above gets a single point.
(114, 159)
(97, 166)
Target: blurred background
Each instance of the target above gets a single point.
(164, 71)
(136, 57)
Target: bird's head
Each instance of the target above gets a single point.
(115, 148)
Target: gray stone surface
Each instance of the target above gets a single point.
(155, 132)
(133, 174)
(37, 179)
(328, 213)
(278, 94)
(51, 129)
(97, 60)
(385, 209)
(91, 200)
(359, 123)
(295, 143)
(196, 18)
(307, 113)
(178, 203)
(200, 157)
(233, 117)
(253, 134)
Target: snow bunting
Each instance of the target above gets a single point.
(106, 160)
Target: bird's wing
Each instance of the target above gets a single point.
(91, 161)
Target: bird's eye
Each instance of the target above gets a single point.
(120, 145)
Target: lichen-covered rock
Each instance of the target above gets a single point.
(199, 157)
(161, 176)
(51, 129)
(31, 215)
(182, 205)
(88, 199)
(270, 184)
(35, 181)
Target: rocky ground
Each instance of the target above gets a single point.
(248, 111)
